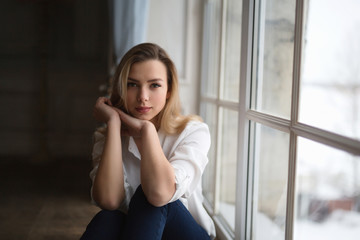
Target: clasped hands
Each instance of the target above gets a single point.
(105, 112)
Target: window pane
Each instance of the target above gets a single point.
(327, 193)
(228, 157)
(209, 115)
(273, 56)
(232, 48)
(330, 84)
(211, 49)
(270, 183)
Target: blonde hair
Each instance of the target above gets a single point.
(170, 118)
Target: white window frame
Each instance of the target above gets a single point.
(247, 115)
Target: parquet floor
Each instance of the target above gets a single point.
(44, 201)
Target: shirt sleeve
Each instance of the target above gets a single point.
(189, 159)
(99, 141)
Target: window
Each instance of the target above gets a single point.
(219, 106)
(280, 92)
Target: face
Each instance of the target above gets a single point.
(147, 89)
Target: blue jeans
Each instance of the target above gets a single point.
(145, 222)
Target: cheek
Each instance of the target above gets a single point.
(130, 95)
(161, 98)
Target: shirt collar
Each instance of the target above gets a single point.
(133, 148)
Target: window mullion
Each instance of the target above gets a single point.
(328, 138)
(217, 160)
(243, 197)
(272, 121)
(290, 204)
(219, 112)
(222, 49)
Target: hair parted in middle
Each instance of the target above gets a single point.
(170, 118)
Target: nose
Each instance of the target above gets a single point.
(143, 95)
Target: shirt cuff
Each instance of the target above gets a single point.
(182, 181)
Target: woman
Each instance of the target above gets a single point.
(149, 160)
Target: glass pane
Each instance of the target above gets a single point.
(232, 48)
(228, 157)
(270, 183)
(274, 57)
(210, 117)
(211, 48)
(327, 193)
(330, 84)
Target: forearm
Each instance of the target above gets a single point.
(108, 187)
(157, 174)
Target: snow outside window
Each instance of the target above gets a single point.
(281, 95)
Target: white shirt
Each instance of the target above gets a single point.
(186, 152)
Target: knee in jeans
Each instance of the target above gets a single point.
(108, 214)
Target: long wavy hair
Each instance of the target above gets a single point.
(170, 118)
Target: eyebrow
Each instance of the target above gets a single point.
(151, 80)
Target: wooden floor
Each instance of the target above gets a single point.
(44, 201)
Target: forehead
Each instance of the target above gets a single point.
(148, 69)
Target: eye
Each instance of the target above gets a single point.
(155, 85)
(131, 84)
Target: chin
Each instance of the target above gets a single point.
(143, 117)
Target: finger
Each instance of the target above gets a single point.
(100, 99)
(108, 102)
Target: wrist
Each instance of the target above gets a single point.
(114, 121)
(147, 127)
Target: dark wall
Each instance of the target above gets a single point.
(53, 58)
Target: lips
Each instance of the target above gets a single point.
(143, 109)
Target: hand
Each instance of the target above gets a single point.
(104, 111)
(131, 126)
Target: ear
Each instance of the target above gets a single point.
(168, 94)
